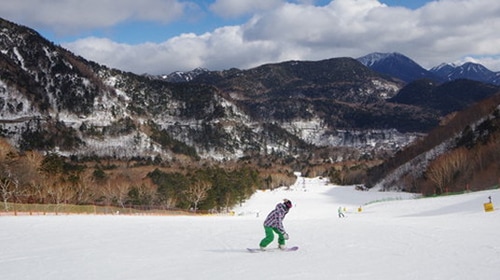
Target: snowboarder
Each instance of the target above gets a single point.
(274, 224)
(341, 213)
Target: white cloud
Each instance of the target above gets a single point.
(70, 16)
(441, 31)
(183, 52)
(221, 49)
(232, 8)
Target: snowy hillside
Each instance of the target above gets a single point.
(374, 58)
(396, 65)
(395, 236)
(468, 70)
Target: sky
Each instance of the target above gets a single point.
(163, 36)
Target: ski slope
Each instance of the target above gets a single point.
(395, 236)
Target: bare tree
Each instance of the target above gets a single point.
(197, 192)
(25, 169)
(106, 193)
(6, 183)
(5, 149)
(446, 167)
(82, 188)
(120, 187)
(60, 193)
(7, 190)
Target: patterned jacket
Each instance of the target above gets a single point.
(275, 218)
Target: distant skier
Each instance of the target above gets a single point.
(341, 213)
(274, 224)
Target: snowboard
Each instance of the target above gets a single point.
(258, 250)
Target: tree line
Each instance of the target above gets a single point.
(33, 177)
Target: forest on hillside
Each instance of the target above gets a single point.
(462, 154)
(31, 177)
(469, 161)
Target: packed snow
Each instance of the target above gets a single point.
(385, 235)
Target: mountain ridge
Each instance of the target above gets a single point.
(212, 111)
(393, 64)
(402, 67)
(89, 103)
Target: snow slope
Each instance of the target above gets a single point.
(396, 236)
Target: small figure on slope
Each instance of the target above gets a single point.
(341, 213)
(274, 224)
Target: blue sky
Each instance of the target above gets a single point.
(162, 36)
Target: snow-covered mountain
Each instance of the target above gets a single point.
(397, 65)
(402, 67)
(372, 59)
(310, 111)
(181, 76)
(469, 70)
(52, 100)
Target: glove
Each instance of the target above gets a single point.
(285, 235)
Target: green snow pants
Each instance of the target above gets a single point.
(270, 237)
